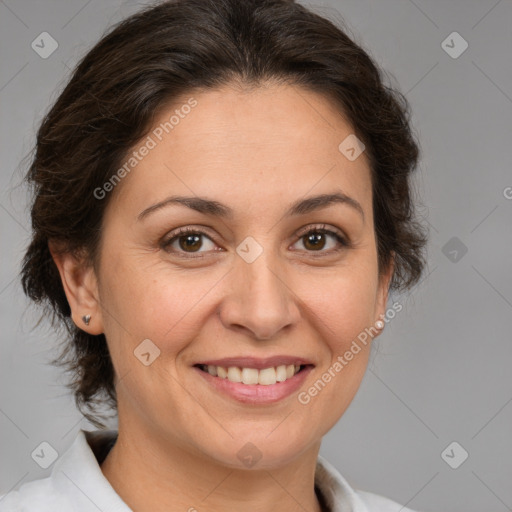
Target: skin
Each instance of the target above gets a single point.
(257, 151)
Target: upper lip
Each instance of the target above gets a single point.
(255, 362)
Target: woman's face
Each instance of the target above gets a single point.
(249, 288)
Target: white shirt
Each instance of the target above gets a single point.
(77, 484)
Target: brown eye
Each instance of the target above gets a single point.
(187, 240)
(316, 239)
(190, 242)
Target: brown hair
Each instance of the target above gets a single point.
(163, 52)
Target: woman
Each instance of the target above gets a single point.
(221, 206)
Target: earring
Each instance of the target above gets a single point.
(86, 319)
(379, 324)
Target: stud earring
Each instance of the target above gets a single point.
(86, 319)
(379, 324)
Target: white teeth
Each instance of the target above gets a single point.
(281, 373)
(249, 376)
(234, 374)
(252, 376)
(267, 376)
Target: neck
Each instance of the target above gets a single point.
(153, 475)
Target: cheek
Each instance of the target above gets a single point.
(153, 302)
(343, 304)
(342, 312)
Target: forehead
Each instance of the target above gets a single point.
(255, 144)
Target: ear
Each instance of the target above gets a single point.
(383, 289)
(81, 287)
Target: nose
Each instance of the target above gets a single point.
(259, 299)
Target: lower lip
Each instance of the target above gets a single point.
(257, 393)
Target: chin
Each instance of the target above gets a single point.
(258, 449)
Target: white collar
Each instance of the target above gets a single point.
(77, 483)
(79, 463)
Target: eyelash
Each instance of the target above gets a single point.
(189, 230)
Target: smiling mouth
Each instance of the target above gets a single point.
(253, 376)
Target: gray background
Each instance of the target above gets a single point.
(441, 370)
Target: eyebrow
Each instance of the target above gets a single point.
(214, 208)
